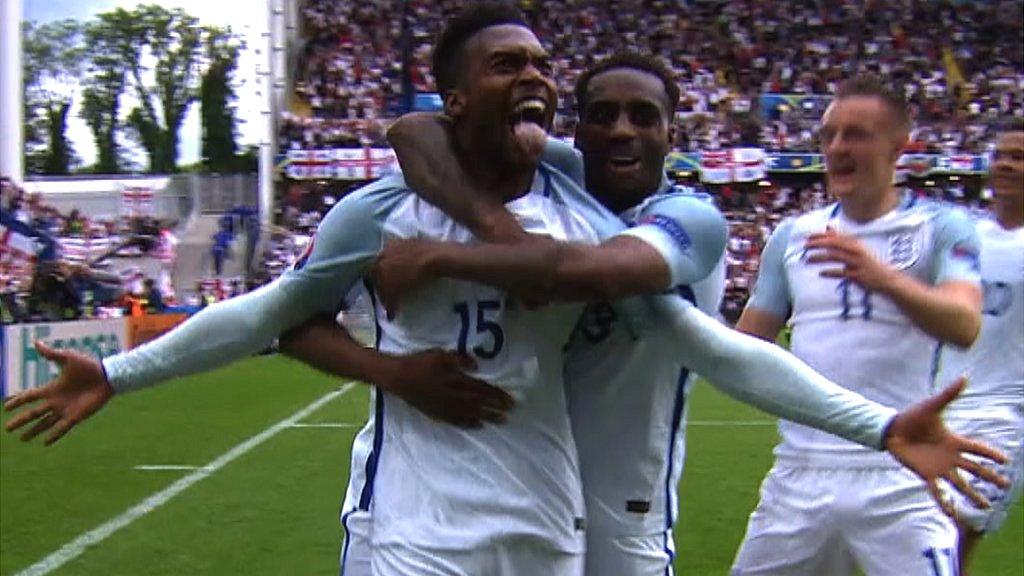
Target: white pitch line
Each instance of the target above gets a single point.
(731, 423)
(324, 425)
(73, 549)
(162, 467)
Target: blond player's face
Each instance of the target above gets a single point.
(861, 145)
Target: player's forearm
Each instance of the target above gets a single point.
(520, 269)
(220, 334)
(769, 378)
(608, 272)
(328, 347)
(760, 323)
(425, 151)
(554, 270)
(949, 313)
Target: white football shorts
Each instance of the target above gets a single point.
(814, 521)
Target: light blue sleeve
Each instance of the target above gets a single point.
(688, 231)
(769, 378)
(957, 248)
(771, 290)
(346, 243)
(565, 157)
(710, 291)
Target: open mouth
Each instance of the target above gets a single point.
(528, 125)
(842, 171)
(533, 110)
(623, 162)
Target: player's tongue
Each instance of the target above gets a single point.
(530, 138)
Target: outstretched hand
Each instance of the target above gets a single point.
(921, 442)
(402, 267)
(74, 395)
(435, 383)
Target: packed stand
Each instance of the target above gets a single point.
(726, 55)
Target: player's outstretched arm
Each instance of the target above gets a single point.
(218, 335)
(771, 379)
(348, 239)
(434, 382)
(77, 393)
(424, 146)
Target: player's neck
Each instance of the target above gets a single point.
(863, 209)
(490, 174)
(1009, 212)
(499, 182)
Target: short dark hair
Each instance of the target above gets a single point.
(636, 61)
(447, 57)
(872, 86)
(1011, 124)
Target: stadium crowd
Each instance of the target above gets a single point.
(725, 55)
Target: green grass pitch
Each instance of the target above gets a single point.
(274, 509)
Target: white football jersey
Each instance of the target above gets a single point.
(442, 487)
(994, 365)
(627, 395)
(359, 318)
(427, 484)
(856, 338)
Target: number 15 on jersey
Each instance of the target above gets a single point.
(478, 318)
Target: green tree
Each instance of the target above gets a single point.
(159, 56)
(53, 62)
(174, 40)
(111, 40)
(217, 97)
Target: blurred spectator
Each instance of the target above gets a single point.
(52, 296)
(220, 250)
(154, 298)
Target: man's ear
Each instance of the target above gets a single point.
(454, 103)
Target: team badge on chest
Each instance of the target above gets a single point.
(904, 250)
